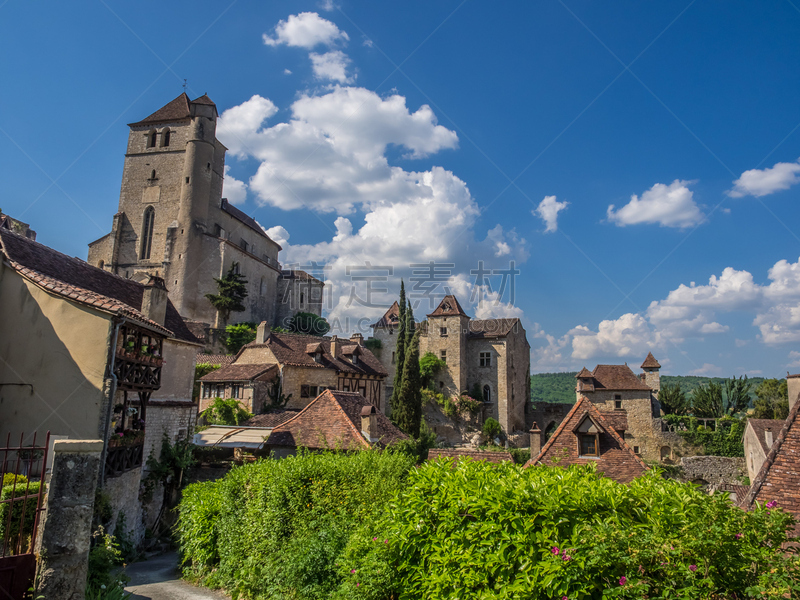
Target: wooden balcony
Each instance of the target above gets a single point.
(122, 459)
(138, 360)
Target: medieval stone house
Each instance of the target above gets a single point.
(492, 354)
(86, 354)
(172, 222)
(304, 365)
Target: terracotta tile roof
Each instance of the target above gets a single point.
(779, 477)
(204, 99)
(486, 455)
(246, 220)
(760, 426)
(333, 420)
(390, 318)
(617, 377)
(214, 359)
(297, 350)
(584, 374)
(199, 329)
(298, 274)
(79, 281)
(493, 328)
(617, 460)
(448, 307)
(618, 419)
(650, 362)
(176, 110)
(271, 419)
(239, 372)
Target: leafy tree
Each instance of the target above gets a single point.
(400, 347)
(226, 412)
(238, 335)
(491, 429)
(713, 400)
(407, 411)
(673, 401)
(232, 292)
(309, 323)
(772, 400)
(429, 366)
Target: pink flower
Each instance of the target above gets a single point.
(352, 570)
(623, 580)
(555, 550)
(374, 539)
(693, 568)
(772, 504)
(358, 585)
(385, 541)
(567, 557)
(738, 536)
(564, 598)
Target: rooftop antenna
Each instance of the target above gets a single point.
(184, 86)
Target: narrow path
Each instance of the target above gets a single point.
(158, 579)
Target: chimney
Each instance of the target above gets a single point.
(262, 333)
(154, 300)
(334, 346)
(369, 423)
(357, 338)
(536, 441)
(768, 438)
(793, 385)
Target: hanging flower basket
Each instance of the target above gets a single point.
(126, 438)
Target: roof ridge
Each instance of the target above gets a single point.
(558, 430)
(761, 477)
(346, 416)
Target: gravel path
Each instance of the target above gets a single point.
(158, 579)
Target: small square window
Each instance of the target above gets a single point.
(588, 445)
(617, 403)
(443, 355)
(636, 450)
(617, 396)
(443, 331)
(304, 391)
(485, 359)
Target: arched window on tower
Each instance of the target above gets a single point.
(151, 138)
(165, 134)
(147, 232)
(487, 393)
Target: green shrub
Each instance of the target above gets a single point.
(238, 335)
(276, 528)
(477, 530)
(491, 428)
(373, 344)
(521, 455)
(9, 478)
(226, 412)
(27, 506)
(102, 583)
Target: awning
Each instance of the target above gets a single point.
(220, 436)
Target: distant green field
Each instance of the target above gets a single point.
(560, 387)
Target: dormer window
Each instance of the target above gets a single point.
(588, 438)
(318, 357)
(355, 359)
(588, 445)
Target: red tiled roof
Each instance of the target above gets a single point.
(618, 419)
(234, 372)
(617, 377)
(293, 349)
(271, 419)
(584, 374)
(779, 477)
(333, 421)
(448, 307)
(391, 318)
(650, 362)
(214, 359)
(760, 426)
(617, 460)
(81, 282)
(492, 328)
(176, 110)
(486, 455)
(204, 99)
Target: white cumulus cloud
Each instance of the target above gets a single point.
(331, 66)
(305, 30)
(548, 210)
(762, 182)
(630, 335)
(233, 189)
(670, 205)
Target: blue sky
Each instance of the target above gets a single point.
(459, 133)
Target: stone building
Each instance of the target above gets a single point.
(590, 436)
(490, 354)
(93, 356)
(172, 222)
(334, 420)
(304, 365)
(759, 435)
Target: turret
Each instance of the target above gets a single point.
(652, 378)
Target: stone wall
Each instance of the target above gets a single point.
(547, 416)
(294, 377)
(465, 429)
(123, 495)
(713, 469)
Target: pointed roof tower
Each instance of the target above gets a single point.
(449, 307)
(584, 374)
(650, 362)
(176, 110)
(391, 318)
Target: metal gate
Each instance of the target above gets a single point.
(23, 472)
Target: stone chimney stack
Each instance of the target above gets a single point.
(334, 346)
(357, 338)
(536, 441)
(768, 439)
(369, 423)
(793, 385)
(262, 333)
(154, 300)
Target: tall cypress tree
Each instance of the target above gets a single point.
(400, 349)
(409, 415)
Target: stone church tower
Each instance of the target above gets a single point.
(173, 222)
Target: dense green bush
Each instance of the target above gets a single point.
(491, 428)
(27, 506)
(480, 530)
(276, 528)
(226, 412)
(725, 440)
(238, 335)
